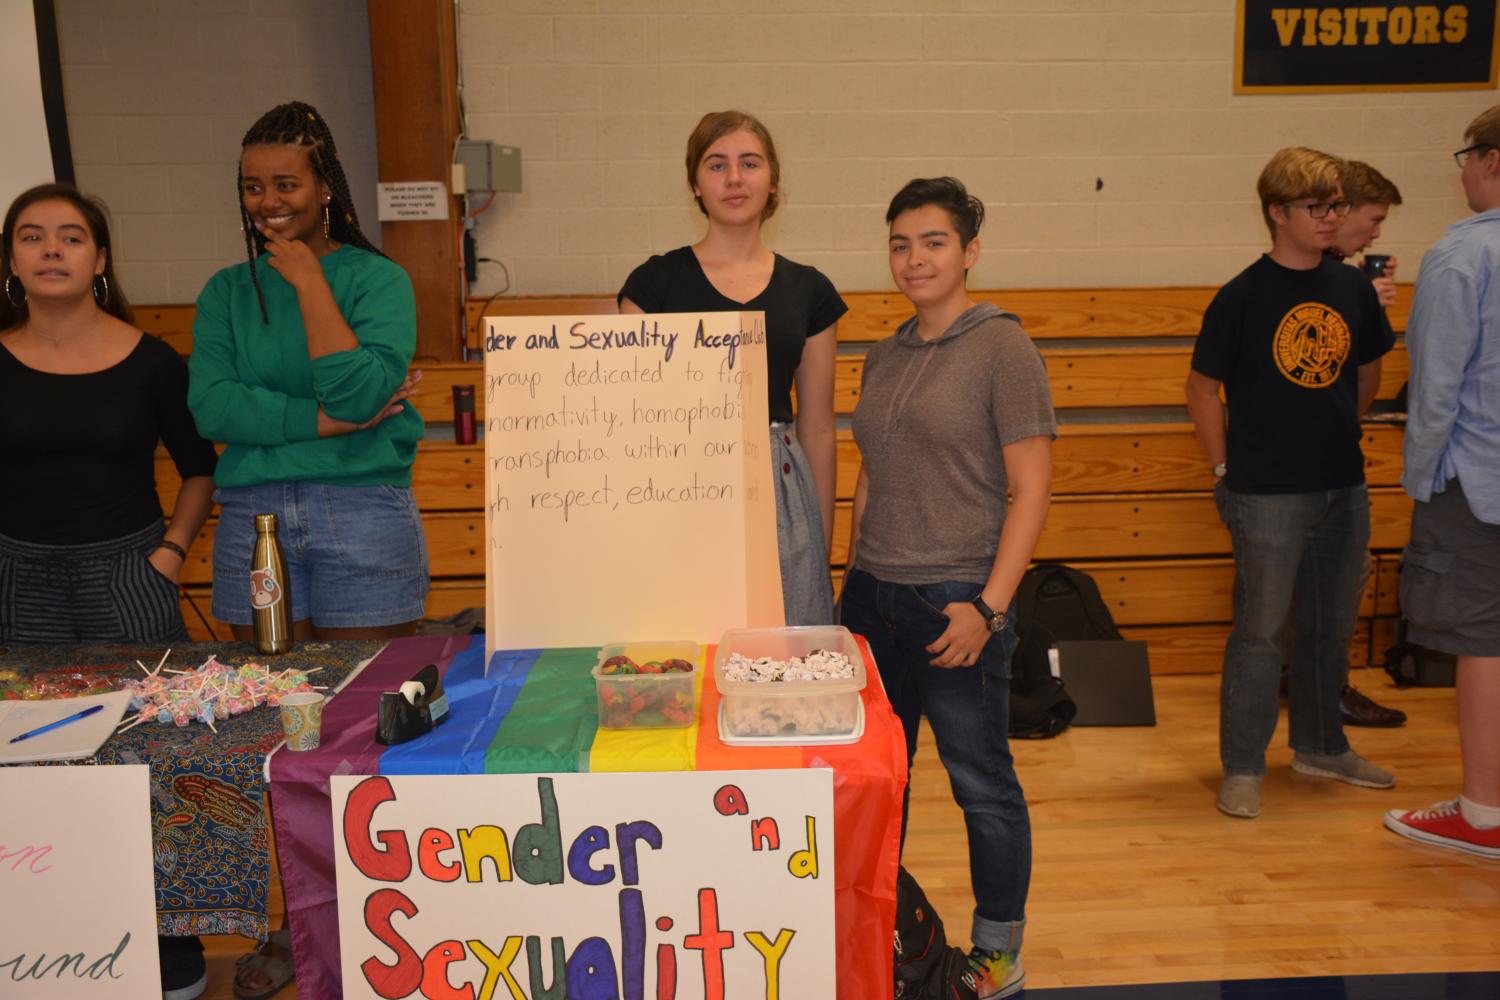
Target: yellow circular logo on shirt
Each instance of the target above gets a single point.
(1311, 345)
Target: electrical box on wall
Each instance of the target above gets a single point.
(488, 167)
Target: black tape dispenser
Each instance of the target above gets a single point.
(412, 711)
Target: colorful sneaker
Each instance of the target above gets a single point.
(1348, 767)
(1444, 825)
(994, 974)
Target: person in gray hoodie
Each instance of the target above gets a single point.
(955, 429)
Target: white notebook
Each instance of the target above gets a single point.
(80, 738)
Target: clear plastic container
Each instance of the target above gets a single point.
(778, 709)
(649, 700)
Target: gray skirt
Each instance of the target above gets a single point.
(806, 589)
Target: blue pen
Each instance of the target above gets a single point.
(60, 722)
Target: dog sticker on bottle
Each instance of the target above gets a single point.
(270, 610)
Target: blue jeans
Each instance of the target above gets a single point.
(356, 554)
(1302, 547)
(968, 709)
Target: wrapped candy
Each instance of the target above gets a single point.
(213, 692)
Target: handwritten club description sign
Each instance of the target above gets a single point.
(627, 479)
(676, 886)
(77, 904)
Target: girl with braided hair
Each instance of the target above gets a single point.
(299, 366)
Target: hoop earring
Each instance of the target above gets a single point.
(325, 220)
(104, 299)
(8, 279)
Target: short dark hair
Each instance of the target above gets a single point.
(966, 211)
(95, 216)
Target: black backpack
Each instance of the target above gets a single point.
(1053, 603)
(1412, 665)
(927, 967)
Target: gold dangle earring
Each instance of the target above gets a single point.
(325, 220)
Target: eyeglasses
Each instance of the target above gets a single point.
(1462, 155)
(1320, 209)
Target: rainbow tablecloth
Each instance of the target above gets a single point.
(536, 712)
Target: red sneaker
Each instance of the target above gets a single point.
(1444, 826)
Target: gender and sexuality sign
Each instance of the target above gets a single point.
(683, 886)
(77, 907)
(627, 479)
(1310, 47)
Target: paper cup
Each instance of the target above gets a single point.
(302, 719)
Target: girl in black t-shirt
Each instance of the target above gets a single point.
(84, 400)
(735, 178)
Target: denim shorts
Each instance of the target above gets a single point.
(356, 555)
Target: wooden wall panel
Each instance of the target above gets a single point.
(1079, 379)
(1046, 314)
(414, 64)
(1153, 526)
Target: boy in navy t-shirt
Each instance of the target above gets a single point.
(1295, 342)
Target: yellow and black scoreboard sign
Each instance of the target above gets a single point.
(1282, 46)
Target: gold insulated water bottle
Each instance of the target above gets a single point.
(270, 603)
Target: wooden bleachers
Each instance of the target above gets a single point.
(1132, 493)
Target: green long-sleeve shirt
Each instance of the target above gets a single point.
(253, 387)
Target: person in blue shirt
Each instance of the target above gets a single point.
(1450, 578)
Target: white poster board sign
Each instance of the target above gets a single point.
(627, 479)
(77, 903)
(23, 115)
(692, 885)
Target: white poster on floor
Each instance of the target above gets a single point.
(77, 902)
(689, 885)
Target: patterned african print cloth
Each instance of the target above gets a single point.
(208, 818)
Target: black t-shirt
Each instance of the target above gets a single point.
(799, 302)
(1287, 345)
(79, 451)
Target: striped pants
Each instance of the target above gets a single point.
(99, 592)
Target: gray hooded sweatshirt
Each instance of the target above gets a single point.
(932, 418)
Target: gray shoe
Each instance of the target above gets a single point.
(1239, 796)
(1348, 767)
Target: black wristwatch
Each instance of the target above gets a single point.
(992, 618)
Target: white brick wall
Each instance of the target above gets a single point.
(1029, 101)
(159, 93)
